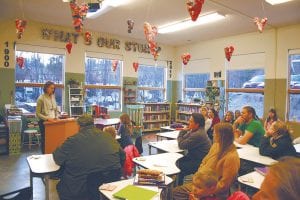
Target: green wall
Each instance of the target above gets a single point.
(7, 86)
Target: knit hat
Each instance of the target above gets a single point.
(85, 120)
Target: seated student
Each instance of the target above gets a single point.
(214, 116)
(229, 117)
(196, 142)
(222, 158)
(277, 142)
(208, 121)
(204, 183)
(110, 130)
(125, 130)
(272, 117)
(248, 128)
(237, 113)
(84, 153)
(282, 181)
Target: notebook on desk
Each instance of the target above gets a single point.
(261, 170)
(132, 192)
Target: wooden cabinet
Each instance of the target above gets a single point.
(76, 101)
(156, 115)
(185, 110)
(129, 92)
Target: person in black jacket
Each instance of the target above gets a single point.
(277, 142)
(195, 140)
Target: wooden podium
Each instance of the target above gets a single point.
(57, 132)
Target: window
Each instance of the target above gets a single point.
(294, 88)
(38, 69)
(151, 84)
(246, 87)
(103, 85)
(194, 86)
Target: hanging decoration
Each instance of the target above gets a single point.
(114, 65)
(260, 23)
(194, 7)
(228, 52)
(130, 24)
(20, 61)
(79, 14)
(185, 58)
(87, 38)
(69, 46)
(151, 33)
(20, 26)
(135, 66)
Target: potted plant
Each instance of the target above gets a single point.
(73, 83)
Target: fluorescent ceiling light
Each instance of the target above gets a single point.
(188, 23)
(274, 2)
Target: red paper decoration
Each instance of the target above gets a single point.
(69, 47)
(194, 7)
(151, 33)
(228, 52)
(21, 62)
(115, 65)
(20, 26)
(130, 24)
(260, 23)
(79, 14)
(185, 58)
(135, 66)
(87, 38)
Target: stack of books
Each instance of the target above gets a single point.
(149, 177)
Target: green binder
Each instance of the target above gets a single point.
(132, 192)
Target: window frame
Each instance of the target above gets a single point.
(241, 90)
(45, 50)
(185, 89)
(163, 89)
(290, 91)
(106, 87)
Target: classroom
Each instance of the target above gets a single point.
(155, 75)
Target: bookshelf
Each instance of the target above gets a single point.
(76, 101)
(129, 92)
(185, 110)
(156, 115)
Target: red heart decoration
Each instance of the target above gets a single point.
(114, 65)
(20, 26)
(150, 33)
(135, 66)
(69, 47)
(194, 7)
(87, 38)
(21, 61)
(185, 58)
(260, 23)
(228, 52)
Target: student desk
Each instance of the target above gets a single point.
(166, 128)
(101, 123)
(167, 135)
(170, 146)
(42, 166)
(251, 153)
(123, 183)
(165, 162)
(252, 179)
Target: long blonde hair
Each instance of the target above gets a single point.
(125, 119)
(224, 136)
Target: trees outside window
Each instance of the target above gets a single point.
(38, 69)
(294, 88)
(194, 86)
(151, 84)
(103, 84)
(246, 87)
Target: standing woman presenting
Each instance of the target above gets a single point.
(46, 109)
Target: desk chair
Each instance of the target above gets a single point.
(22, 194)
(95, 179)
